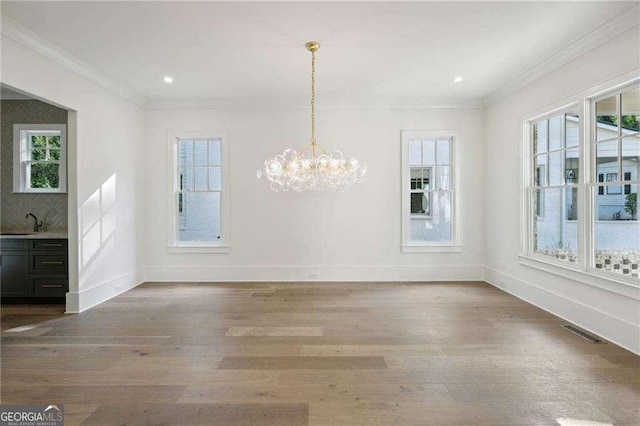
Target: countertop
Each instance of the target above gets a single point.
(35, 236)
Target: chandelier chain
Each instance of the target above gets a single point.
(313, 102)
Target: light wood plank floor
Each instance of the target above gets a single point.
(315, 354)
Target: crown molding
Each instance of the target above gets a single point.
(35, 42)
(205, 104)
(620, 24)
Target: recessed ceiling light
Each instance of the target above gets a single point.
(168, 79)
(458, 79)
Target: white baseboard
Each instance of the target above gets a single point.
(315, 273)
(606, 325)
(85, 299)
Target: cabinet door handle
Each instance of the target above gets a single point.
(51, 286)
(51, 245)
(51, 263)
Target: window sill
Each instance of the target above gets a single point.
(199, 249)
(27, 191)
(430, 249)
(604, 281)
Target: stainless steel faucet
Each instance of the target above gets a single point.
(36, 225)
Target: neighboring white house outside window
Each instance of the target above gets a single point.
(199, 193)
(430, 191)
(39, 158)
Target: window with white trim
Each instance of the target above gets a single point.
(39, 158)
(554, 188)
(615, 148)
(429, 192)
(581, 185)
(199, 195)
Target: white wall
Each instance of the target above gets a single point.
(609, 314)
(315, 236)
(105, 139)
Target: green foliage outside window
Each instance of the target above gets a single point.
(45, 154)
(629, 122)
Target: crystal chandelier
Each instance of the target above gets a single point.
(313, 168)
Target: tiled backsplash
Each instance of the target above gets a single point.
(52, 208)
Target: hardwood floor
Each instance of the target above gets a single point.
(315, 354)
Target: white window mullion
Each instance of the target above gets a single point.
(585, 149)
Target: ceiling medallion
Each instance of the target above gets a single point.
(313, 168)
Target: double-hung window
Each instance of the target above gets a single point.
(615, 148)
(199, 195)
(554, 187)
(430, 195)
(39, 158)
(582, 171)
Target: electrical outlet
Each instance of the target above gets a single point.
(502, 283)
(313, 276)
(118, 288)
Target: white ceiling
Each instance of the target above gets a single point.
(371, 53)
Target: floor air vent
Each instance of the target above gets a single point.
(584, 334)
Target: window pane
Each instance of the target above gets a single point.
(201, 221)
(556, 173)
(420, 203)
(215, 152)
(443, 177)
(38, 141)
(555, 232)
(186, 152)
(555, 133)
(201, 152)
(416, 177)
(54, 154)
(442, 151)
(540, 137)
(438, 227)
(215, 181)
(617, 233)
(54, 141)
(44, 175)
(571, 166)
(186, 178)
(607, 118)
(415, 153)
(201, 183)
(420, 178)
(631, 110)
(631, 156)
(429, 153)
(572, 130)
(541, 170)
(38, 154)
(607, 157)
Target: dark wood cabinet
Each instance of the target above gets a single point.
(15, 267)
(32, 268)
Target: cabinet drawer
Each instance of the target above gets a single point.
(9, 244)
(45, 245)
(49, 286)
(45, 263)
